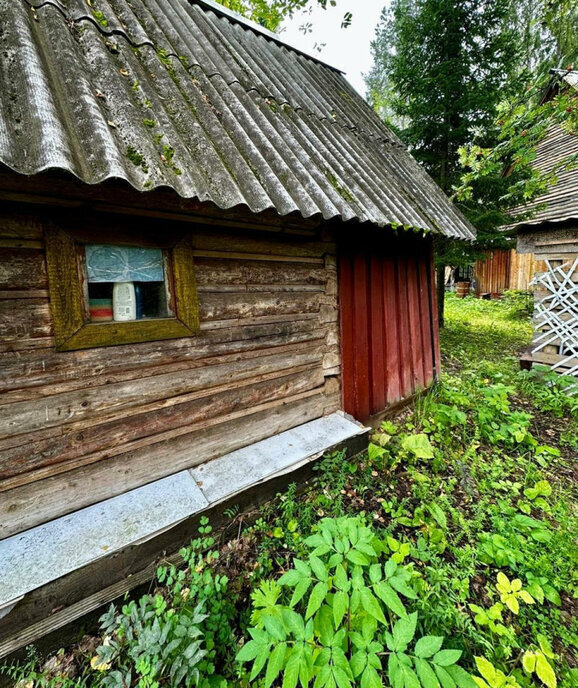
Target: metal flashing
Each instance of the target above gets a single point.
(42, 554)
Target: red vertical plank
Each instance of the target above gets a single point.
(360, 336)
(346, 334)
(417, 347)
(377, 343)
(425, 315)
(434, 315)
(404, 341)
(393, 386)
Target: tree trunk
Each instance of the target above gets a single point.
(441, 292)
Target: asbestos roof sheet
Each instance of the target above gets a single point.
(560, 202)
(174, 93)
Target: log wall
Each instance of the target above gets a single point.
(78, 427)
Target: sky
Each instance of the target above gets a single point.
(347, 49)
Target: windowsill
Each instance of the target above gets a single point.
(93, 335)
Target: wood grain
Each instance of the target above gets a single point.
(27, 417)
(267, 339)
(30, 505)
(38, 459)
(44, 373)
(22, 269)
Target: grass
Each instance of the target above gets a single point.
(471, 490)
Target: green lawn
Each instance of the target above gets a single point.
(451, 544)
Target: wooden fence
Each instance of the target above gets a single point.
(503, 270)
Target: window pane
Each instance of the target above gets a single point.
(123, 264)
(125, 283)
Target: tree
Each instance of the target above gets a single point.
(270, 13)
(440, 68)
(526, 117)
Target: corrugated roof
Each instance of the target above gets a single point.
(560, 202)
(171, 93)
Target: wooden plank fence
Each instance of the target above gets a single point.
(504, 270)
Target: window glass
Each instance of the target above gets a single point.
(126, 283)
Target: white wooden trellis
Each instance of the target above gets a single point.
(556, 317)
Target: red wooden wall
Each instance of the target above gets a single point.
(389, 334)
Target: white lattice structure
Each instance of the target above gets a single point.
(556, 317)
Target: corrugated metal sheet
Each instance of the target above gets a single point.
(171, 93)
(561, 200)
(389, 337)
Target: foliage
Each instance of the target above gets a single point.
(177, 636)
(519, 126)
(344, 610)
(535, 660)
(440, 68)
(425, 53)
(270, 13)
(511, 592)
(152, 642)
(410, 543)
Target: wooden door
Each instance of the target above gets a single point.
(388, 314)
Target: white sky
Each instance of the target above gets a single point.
(347, 49)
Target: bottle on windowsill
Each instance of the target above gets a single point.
(123, 301)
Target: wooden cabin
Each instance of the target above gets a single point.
(215, 266)
(551, 236)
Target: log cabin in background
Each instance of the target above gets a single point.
(273, 242)
(550, 236)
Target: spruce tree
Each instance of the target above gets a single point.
(440, 68)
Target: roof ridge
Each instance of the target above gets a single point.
(257, 28)
(213, 6)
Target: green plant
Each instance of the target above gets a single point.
(531, 527)
(418, 445)
(492, 618)
(535, 496)
(511, 592)
(180, 634)
(495, 549)
(519, 305)
(432, 522)
(149, 641)
(491, 677)
(344, 610)
(199, 582)
(498, 424)
(536, 660)
(540, 588)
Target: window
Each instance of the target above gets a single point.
(121, 287)
(126, 283)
